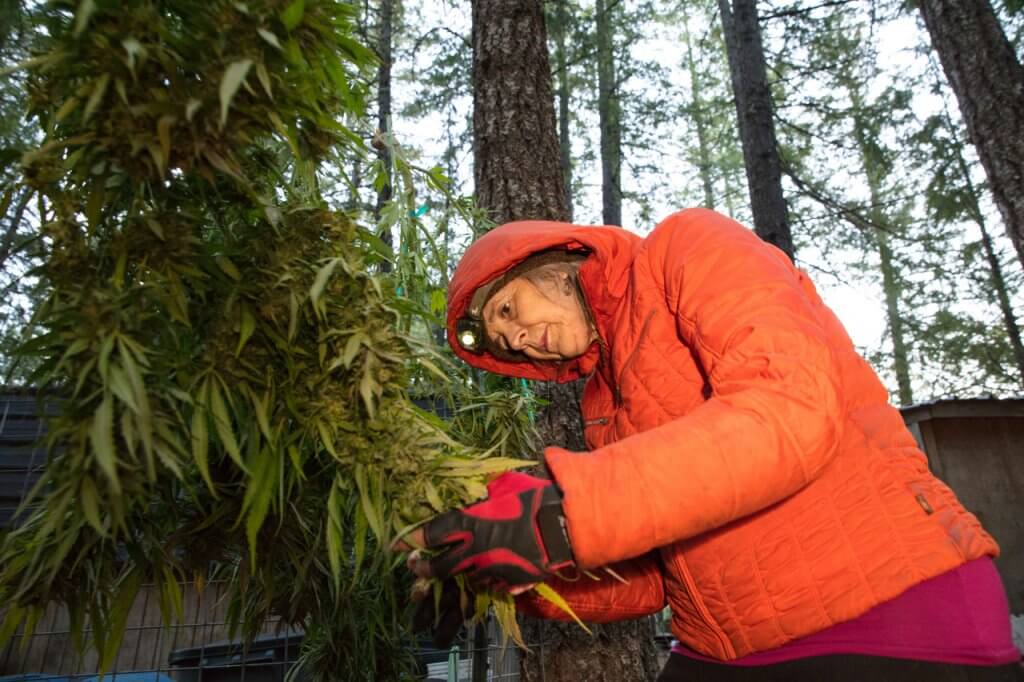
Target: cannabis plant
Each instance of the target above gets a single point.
(232, 379)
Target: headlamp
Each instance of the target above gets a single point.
(470, 333)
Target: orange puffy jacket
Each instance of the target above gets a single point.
(745, 466)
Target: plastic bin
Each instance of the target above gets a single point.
(267, 659)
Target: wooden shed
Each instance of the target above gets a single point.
(977, 447)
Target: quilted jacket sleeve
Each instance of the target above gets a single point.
(771, 423)
(605, 600)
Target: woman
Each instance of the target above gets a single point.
(745, 467)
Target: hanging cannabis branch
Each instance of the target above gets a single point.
(232, 381)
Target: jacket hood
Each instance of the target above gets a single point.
(603, 279)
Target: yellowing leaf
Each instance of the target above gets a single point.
(270, 38)
(261, 73)
(229, 84)
(191, 107)
(322, 276)
(229, 269)
(163, 131)
(85, 10)
(247, 325)
(96, 97)
(545, 591)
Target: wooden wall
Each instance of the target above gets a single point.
(977, 448)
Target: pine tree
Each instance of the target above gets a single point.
(757, 128)
(988, 80)
(609, 114)
(519, 176)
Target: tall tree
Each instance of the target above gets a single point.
(518, 175)
(952, 195)
(988, 80)
(609, 115)
(384, 30)
(757, 128)
(697, 114)
(559, 22)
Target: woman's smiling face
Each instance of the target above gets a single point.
(543, 319)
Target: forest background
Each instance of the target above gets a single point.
(875, 159)
(870, 135)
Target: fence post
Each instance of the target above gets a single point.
(453, 663)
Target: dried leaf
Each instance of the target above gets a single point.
(229, 84)
(96, 96)
(270, 38)
(86, 8)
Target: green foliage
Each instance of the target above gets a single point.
(232, 379)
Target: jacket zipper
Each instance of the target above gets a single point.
(600, 421)
(702, 609)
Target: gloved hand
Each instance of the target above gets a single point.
(516, 537)
(443, 618)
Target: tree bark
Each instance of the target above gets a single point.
(995, 269)
(515, 149)
(756, 125)
(988, 81)
(386, 14)
(609, 116)
(559, 26)
(518, 176)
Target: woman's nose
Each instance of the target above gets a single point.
(517, 339)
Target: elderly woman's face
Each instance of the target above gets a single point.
(544, 321)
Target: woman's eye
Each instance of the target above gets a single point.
(506, 310)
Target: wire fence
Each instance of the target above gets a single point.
(197, 648)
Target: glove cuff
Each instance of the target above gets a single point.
(553, 531)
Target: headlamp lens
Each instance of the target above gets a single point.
(469, 332)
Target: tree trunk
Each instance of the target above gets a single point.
(559, 27)
(995, 269)
(756, 126)
(891, 287)
(518, 175)
(609, 116)
(515, 148)
(989, 84)
(386, 12)
(891, 284)
(697, 115)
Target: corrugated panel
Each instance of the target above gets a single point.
(22, 455)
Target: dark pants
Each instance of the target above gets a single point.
(840, 668)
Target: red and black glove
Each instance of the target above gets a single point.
(516, 536)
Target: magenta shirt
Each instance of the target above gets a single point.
(958, 617)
